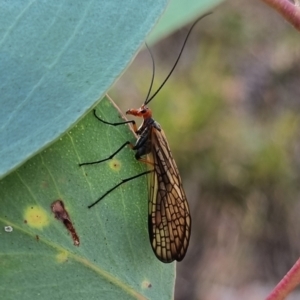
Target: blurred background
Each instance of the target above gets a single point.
(231, 115)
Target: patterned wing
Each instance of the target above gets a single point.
(169, 216)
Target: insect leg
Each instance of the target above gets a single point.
(120, 183)
(108, 158)
(125, 144)
(118, 123)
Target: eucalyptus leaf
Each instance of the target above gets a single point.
(57, 58)
(179, 13)
(114, 259)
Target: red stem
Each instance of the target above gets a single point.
(288, 10)
(291, 13)
(287, 284)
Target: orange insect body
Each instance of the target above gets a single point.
(143, 112)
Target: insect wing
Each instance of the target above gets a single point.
(169, 217)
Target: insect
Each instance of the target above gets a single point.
(169, 220)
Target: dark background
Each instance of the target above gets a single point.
(231, 115)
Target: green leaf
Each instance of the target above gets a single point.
(57, 58)
(114, 259)
(179, 13)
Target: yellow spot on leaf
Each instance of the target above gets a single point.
(62, 257)
(115, 165)
(36, 217)
(146, 284)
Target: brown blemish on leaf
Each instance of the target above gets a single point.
(60, 213)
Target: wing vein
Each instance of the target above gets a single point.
(169, 216)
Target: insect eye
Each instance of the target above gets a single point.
(143, 110)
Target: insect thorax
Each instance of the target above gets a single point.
(143, 143)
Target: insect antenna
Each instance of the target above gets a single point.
(177, 60)
(153, 74)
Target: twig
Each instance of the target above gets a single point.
(290, 11)
(287, 284)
